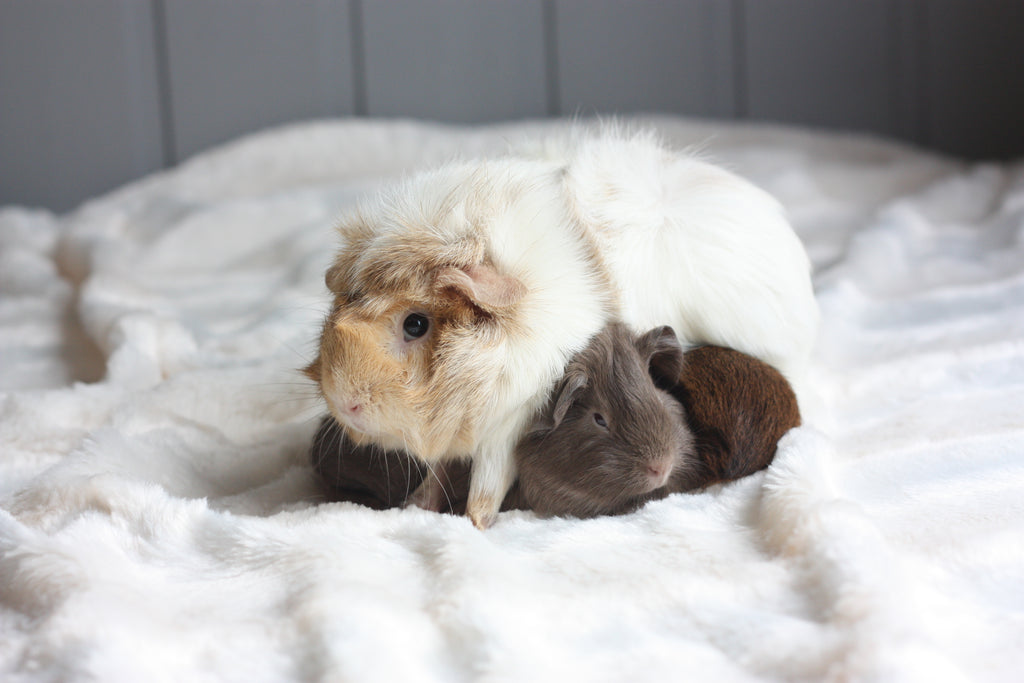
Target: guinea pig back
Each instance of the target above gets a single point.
(737, 407)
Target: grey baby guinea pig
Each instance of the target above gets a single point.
(608, 439)
(612, 439)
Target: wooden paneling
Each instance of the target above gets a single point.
(455, 60)
(649, 55)
(235, 67)
(831, 64)
(79, 108)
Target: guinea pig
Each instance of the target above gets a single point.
(376, 477)
(461, 295)
(609, 439)
(737, 407)
(368, 475)
(590, 452)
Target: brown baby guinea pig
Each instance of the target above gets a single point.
(737, 407)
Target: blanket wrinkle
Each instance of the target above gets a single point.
(159, 520)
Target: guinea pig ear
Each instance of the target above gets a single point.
(573, 383)
(664, 355)
(482, 285)
(333, 278)
(312, 370)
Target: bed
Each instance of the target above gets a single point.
(159, 520)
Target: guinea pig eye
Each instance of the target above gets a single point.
(600, 421)
(415, 326)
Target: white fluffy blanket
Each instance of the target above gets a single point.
(159, 521)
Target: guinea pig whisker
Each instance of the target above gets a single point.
(408, 478)
(387, 471)
(444, 490)
(336, 436)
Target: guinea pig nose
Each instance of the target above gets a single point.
(353, 408)
(658, 472)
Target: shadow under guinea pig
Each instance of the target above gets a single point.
(633, 419)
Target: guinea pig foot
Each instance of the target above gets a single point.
(429, 495)
(482, 512)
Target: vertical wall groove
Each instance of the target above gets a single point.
(359, 78)
(740, 76)
(923, 75)
(168, 138)
(551, 73)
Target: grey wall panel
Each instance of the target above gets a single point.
(975, 80)
(235, 67)
(824, 63)
(909, 67)
(78, 100)
(616, 56)
(455, 60)
(94, 93)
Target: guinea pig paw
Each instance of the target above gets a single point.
(483, 513)
(428, 495)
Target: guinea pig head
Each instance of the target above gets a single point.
(411, 350)
(609, 439)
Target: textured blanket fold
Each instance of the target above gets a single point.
(159, 519)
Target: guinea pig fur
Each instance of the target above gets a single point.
(380, 478)
(736, 409)
(461, 295)
(604, 441)
(609, 438)
(368, 475)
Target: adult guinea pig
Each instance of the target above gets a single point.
(461, 295)
(610, 440)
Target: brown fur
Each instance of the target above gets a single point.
(738, 408)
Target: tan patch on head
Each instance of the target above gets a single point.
(418, 398)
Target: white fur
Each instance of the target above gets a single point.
(518, 207)
(696, 247)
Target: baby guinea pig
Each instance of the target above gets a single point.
(368, 475)
(379, 478)
(601, 446)
(737, 407)
(609, 439)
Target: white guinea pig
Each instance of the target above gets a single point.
(461, 294)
